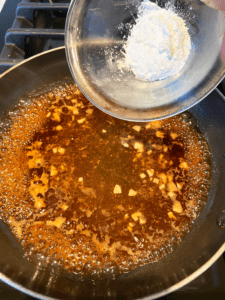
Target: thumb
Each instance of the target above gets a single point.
(215, 4)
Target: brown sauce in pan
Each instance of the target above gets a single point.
(97, 194)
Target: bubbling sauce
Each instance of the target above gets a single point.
(96, 193)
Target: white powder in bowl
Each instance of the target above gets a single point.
(159, 43)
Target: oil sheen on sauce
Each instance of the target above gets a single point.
(92, 192)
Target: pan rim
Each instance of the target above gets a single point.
(30, 58)
(157, 295)
(165, 292)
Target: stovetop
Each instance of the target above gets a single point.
(31, 27)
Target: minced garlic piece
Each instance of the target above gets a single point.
(125, 145)
(171, 215)
(150, 172)
(139, 216)
(76, 111)
(163, 177)
(162, 187)
(120, 207)
(117, 189)
(71, 108)
(126, 217)
(165, 148)
(137, 128)
(58, 222)
(159, 134)
(56, 117)
(53, 171)
(64, 206)
(59, 127)
(177, 207)
(81, 121)
(170, 177)
(172, 195)
(156, 180)
(139, 146)
(88, 213)
(61, 150)
(37, 144)
(171, 186)
(180, 185)
(129, 228)
(132, 193)
(142, 175)
(154, 125)
(89, 111)
(157, 147)
(173, 135)
(183, 165)
(63, 166)
(105, 213)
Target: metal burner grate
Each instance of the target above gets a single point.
(39, 26)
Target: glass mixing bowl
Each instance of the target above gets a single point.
(96, 31)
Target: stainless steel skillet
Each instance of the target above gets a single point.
(200, 249)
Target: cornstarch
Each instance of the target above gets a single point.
(159, 43)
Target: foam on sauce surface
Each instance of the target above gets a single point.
(93, 191)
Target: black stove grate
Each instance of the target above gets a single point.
(39, 26)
